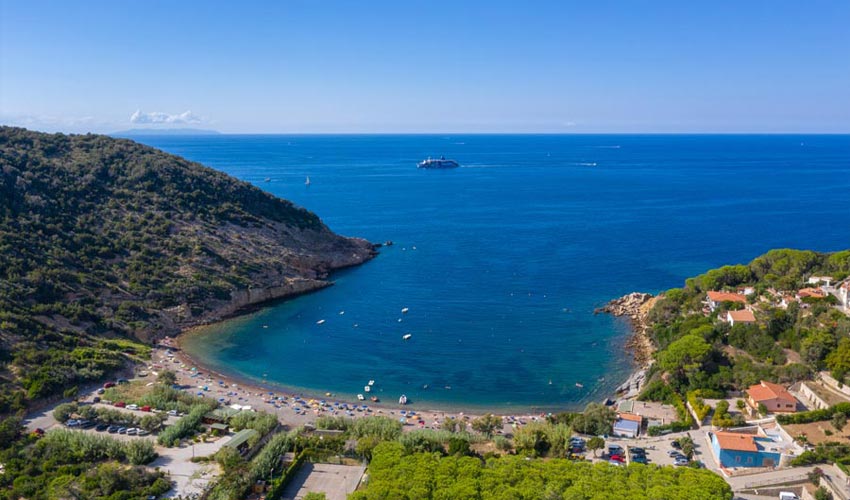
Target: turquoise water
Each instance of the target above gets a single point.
(502, 261)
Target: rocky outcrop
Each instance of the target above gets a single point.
(636, 307)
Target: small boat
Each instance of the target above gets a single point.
(406, 336)
(371, 382)
(360, 397)
(579, 385)
(402, 400)
(404, 310)
(321, 321)
(367, 388)
(374, 399)
(442, 162)
(267, 179)
(341, 313)
(307, 182)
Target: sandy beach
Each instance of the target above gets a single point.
(296, 409)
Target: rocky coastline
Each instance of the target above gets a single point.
(634, 306)
(271, 289)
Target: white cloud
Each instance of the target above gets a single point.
(187, 117)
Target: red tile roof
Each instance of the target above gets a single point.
(735, 441)
(766, 391)
(742, 316)
(726, 297)
(811, 292)
(631, 416)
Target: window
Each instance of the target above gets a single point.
(738, 459)
(749, 460)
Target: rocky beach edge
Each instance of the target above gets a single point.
(635, 307)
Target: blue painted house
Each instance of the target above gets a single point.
(744, 450)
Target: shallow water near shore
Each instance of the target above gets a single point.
(501, 262)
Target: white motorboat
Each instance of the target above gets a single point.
(406, 336)
(360, 397)
(402, 400)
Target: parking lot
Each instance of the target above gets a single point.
(655, 449)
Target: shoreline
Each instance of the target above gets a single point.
(264, 387)
(641, 350)
(192, 376)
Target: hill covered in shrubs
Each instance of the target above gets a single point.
(106, 244)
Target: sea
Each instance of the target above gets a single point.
(500, 263)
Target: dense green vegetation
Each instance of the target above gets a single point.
(104, 241)
(70, 464)
(395, 473)
(700, 353)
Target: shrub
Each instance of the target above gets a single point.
(140, 451)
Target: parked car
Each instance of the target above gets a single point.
(120, 404)
(617, 458)
(675, 444)
(95, 399)
(132, 431)
(143, 432)
(132, 407)
(101, 427)
(122, 381)
(87, 424)
(122, 430)
(680, 461)
(673, 453)
(145, 408)
(101, 390)
(112, 429)
(108, 385)
(72, 422)
(172, 413)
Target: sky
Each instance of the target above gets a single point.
(310, 66)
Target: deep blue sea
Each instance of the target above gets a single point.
(501, 262)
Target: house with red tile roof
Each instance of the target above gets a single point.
(774, 397)
(714, 299)
(816, 293)
(734, 449)
(744, 316)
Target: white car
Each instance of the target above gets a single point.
(133, 407)
(172, 413)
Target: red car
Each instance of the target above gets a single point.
(145, 408)
(108, 385)
(120, 404)
(617, 458)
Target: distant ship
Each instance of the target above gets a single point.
(441, 163)
(307, 182)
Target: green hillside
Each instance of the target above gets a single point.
(104, 242)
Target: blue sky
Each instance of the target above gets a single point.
(427, 66)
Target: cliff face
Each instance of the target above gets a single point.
(107, 238)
